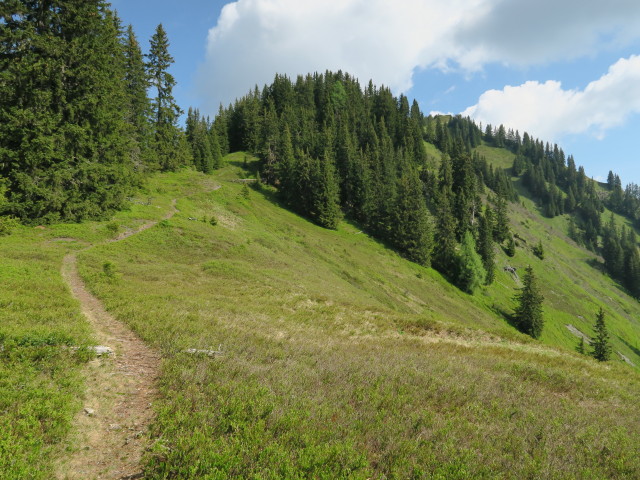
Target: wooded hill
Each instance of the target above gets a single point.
(341, 358)
(333, 149)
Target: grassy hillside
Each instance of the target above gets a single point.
(341, 359)
(344, 360)
(575, 284)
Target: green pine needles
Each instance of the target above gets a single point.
(528, 313)
(600, 342)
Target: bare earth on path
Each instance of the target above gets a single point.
(110, 433)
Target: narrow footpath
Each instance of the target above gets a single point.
(110, 434)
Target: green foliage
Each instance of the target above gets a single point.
(528, 313)
(331, 340)
(109, 269)
(113, 227)
(470, 272)
(138, 104)
(581, 347)
(170, 145)
(510, 247)
(538, 250)
(485, 245)
(7, 224)
(63, 137)
(600, 343)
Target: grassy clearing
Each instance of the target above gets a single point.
(342, 360)
(39, 377)
(41, 386)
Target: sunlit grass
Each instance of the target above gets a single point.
(342, 360)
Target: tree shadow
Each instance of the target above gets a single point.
(634, 349)
(506, 315)
(598, 265)
(249, 165)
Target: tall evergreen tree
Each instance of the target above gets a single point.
(63, 138)
(528, 313)
(170, 145)
(485, 245)
(412, 235)
(325, 199)
(470, 272)
(501, 230)
(138, 104)
(600, 343)
(445, 248)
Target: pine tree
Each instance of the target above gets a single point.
(325, 200)
(138, 104)
(214, 146)
(501, 231)
(63, 137)
(528, 313)
(510, 247)
(600, 343)
(170, 144)
(445, 247)
(471, 274)
(485, 245)
(538, 250)
(412, 233)
(581, 347)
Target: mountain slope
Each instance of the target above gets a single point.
(342, 359)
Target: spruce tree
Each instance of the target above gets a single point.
(63, 137)
(470, 272)
(412, 234)
(138, 104)
(445, 247)
(528, 313)
(501, 231)
(170, 145)
(485, 245)
(600, 343)
(325, 200)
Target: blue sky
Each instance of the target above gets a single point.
(566, 71)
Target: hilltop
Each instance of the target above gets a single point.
(341, 358)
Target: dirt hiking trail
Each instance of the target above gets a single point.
(110, 434)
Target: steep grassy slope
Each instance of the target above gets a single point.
(341, 358)
(575, 285)
(344, 360)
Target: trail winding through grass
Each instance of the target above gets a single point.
(110, 434)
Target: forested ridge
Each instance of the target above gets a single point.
(334, 149)
(85, 115)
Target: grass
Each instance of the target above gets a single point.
(343, 360)
(41, 387)
(574, 284)
(39, 378)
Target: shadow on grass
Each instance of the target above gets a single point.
(505, 315)
(249, 165)
(634, 349)
(596, 264)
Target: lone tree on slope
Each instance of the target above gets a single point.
(601, 347)
(528, 313)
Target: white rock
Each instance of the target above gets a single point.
(102, 350)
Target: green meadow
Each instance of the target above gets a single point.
(340, 358)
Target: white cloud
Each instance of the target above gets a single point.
(387, 40)
(524, 32)
(547, 111)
